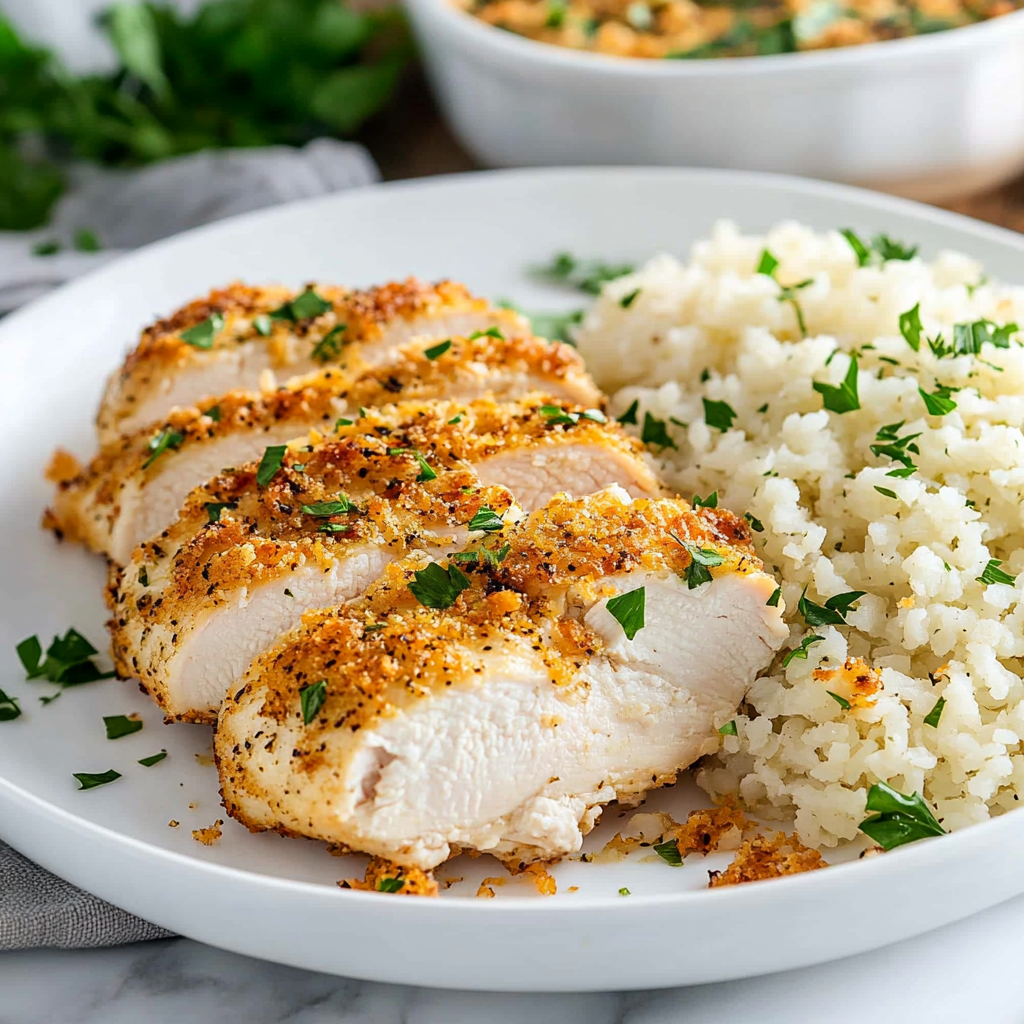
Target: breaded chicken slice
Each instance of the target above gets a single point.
(497, 701)
(135, 486)
(230, 339)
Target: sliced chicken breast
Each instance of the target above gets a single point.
(212, 595)
(583, 661)
(244, 561)
(233, 337)
(137, 483)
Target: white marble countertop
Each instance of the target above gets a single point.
(970, 973)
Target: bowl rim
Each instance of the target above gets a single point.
(513, 46)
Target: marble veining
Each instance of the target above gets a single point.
(966, 972)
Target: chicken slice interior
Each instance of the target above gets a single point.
(506, 716)
(137, 483)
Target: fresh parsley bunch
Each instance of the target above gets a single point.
(233, 73)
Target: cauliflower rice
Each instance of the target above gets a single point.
(716, 329)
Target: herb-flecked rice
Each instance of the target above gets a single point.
(929, 525)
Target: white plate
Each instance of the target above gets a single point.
(276, 898)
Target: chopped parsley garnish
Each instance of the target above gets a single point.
(214, 509)
(10, 709)
(832, 613)
(47, 248)
(993, 574)
(755, 524)
(655, 432)
(899, 819)
(342, 422)
(729, 729)
(628, 611)
(87, 780)
(436, 587)
(426, 473)
(329, 508)
(801, 651)
(148, 762)
(669, 852)
(587, 275)
(491, 332)
(263, 324)
(767, 264)
(886, 492)
(889, 249)
(306, 306)
(773, 601)
(390, 885)
(491, 558)
(556, 10)
(270, 463)
(938, 402)
(334, 528)
(556, 415)
(763, 408)
(627, 300)
(312, 698)
(888, 443)
(841, 701)
(718, 414)
(68, 660)
(702, 560)
(165, 440)
(629, 416)
(329, 346)
(143, 576)
(711, 501)
(844, 397)
(487, 520)
(553, 326)
(455, 419)
(933, 716)
(120, 725)
(624, 892)
(86, 240)
(202, 335)
(214, 413)
(436, 351)
(860, 250)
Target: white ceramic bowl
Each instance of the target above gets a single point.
(930, 117)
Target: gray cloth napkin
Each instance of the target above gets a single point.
(125, 209)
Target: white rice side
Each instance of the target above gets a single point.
(808, 475)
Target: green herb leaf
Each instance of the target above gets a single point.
(48, 248)
(910, 327)
(886, 492)
(329, 346)
(800, 653)
(148, 762)
(271, 462)
(390, 885)
(755, 524)
(702, 560)
(342, 422)
(938, 403)
(933, 716)
(30, 654)
(487, 520)
(669, 852)
(311, 699)
(627, 300)
(329, 508)
(767, 264)
(436, 351)
(655, 432)
(85, 240)
(491, 332)
(263, 324)
(773, 601)
(165, 440)
(68, 660)
(10, 709)
(437, 587)
(214, 509)
(729, 729)
(900, 819)
(586, 275)
(993, 574)
(308, 305)
(213, 413)
(844, 397)
(628, 611)
(711, 501)
(889, 249)
(87, 780)
(719, 415)
(624, 892)
(204, 333)
(120, 725)
(860, 250)
(426, 473)
(841, 701)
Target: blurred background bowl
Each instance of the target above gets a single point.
(931, 117)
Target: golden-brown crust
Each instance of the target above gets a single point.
(704, 830)
(382, 874)
(763, 857)
(855, 681)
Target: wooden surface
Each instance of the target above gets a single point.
(410, 140)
